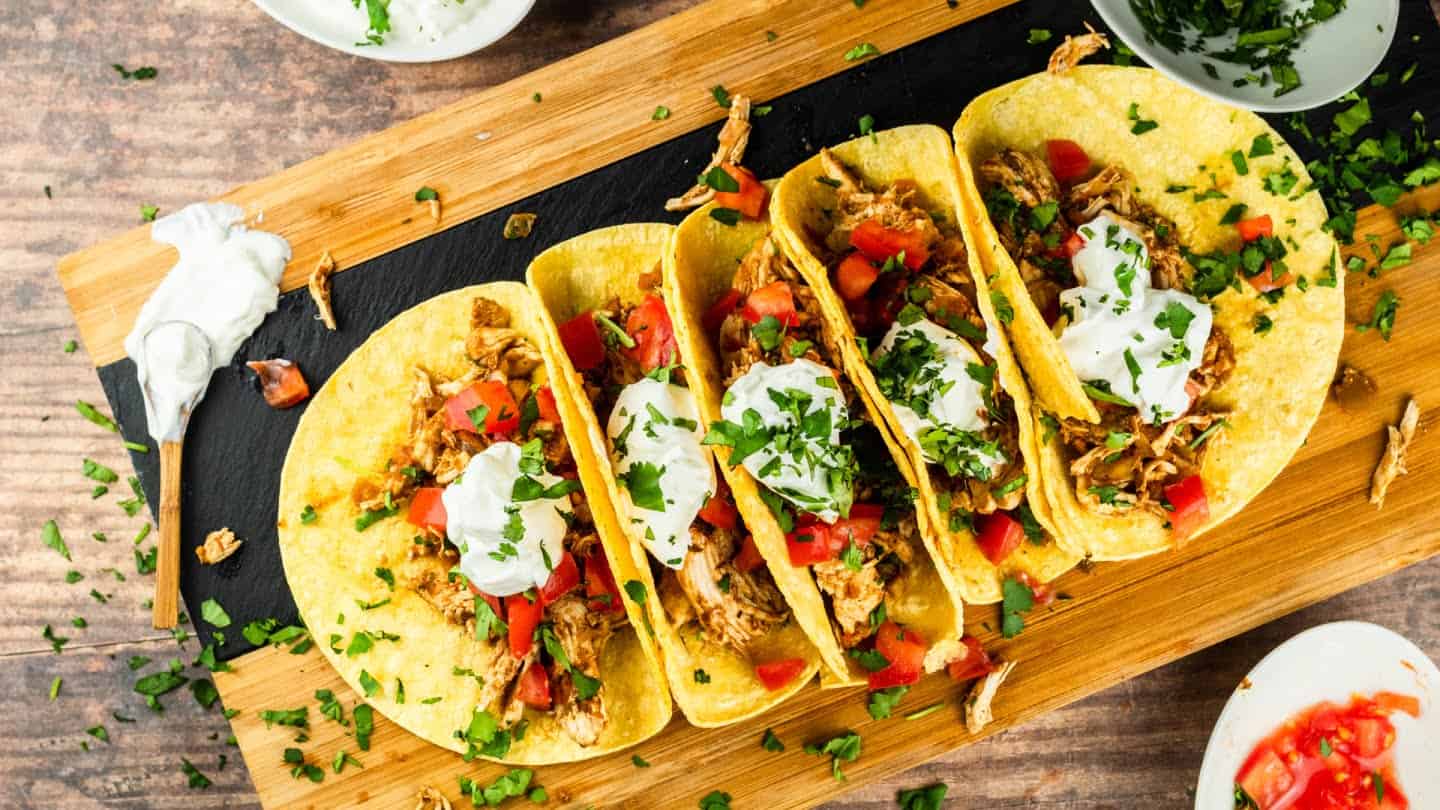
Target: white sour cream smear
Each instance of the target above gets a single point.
(802, 481)
(958, 402)
(226, 282)
(1141, 341)
(658, 424)
(478, 510)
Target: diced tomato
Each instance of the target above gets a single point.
(905, 650)
(998, 535)
(565, 577)
(776, 674)
(502, 415)
(810, 544)
(1370, 733)
(1389, 703)
(719, 511)
(545, 403)
(774, 299)
(1266, 281)
(1072, 244)
(600, 587)
(855, 276)
(1068, 161)
(581, 338)
(720, 310)
(1192, 508)
(860, 526)
(281, 382)
(427, 510)
(880, 243)
(750, 199)
(1267, 779)
(534, 687)
(1255, 227)
(975, 663)
(654, 335)
(523, 616)
(748, 559)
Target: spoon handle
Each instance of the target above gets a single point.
(167, 567)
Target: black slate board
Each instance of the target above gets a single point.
(236, 444)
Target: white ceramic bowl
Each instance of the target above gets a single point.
(339, 25)
(1330, 662)
(1334, 57)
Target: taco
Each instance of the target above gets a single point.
(825, 504)
(1176, 301)
(873, 225)
(726, 636)
(443, 554)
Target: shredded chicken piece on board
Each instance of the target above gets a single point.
(319, 286)
(219, 544)
(1074, 49)
(734, 137)
(1392, 464)
(977, 707)
(431, 799)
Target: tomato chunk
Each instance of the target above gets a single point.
(600, 587)
(748, 558)
(719, 511)
(880, 243)
(534, 687)
(501, 414)
(774, 299)
(776, 674)
(976, 663)
(1192, 508)
(810, 544)
(523, 616)
(855, 276)
(1068, 161)
(905, 650)
(1267, 779)
(1265, 280)
(998, 535)
(720, 310)
(1255, 227)
(1073, 244)
(860, 526)
(281, 382)
(545, 403)
(749, 199)
(654, 335)
(427, 510)
(581, 338)
(490, 599)
(565, 577)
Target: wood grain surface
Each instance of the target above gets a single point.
(239, 98)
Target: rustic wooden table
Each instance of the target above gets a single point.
(237, 98)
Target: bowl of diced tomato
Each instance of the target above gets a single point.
(1344, 715)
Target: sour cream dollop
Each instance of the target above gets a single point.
(506, 547)
(655, 428)
(805, 478)
(226, 282)
(1142, 342)
(956, 399)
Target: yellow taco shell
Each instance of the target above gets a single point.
(348, 431)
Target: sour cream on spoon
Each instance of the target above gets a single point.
(506, 546)
(659, 461)
(956, 398)
(1140, 342)
(803, 474)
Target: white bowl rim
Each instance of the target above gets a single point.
(450, 48)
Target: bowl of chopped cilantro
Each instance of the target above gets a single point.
(1263, 55)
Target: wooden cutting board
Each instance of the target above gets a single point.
(588, 154)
